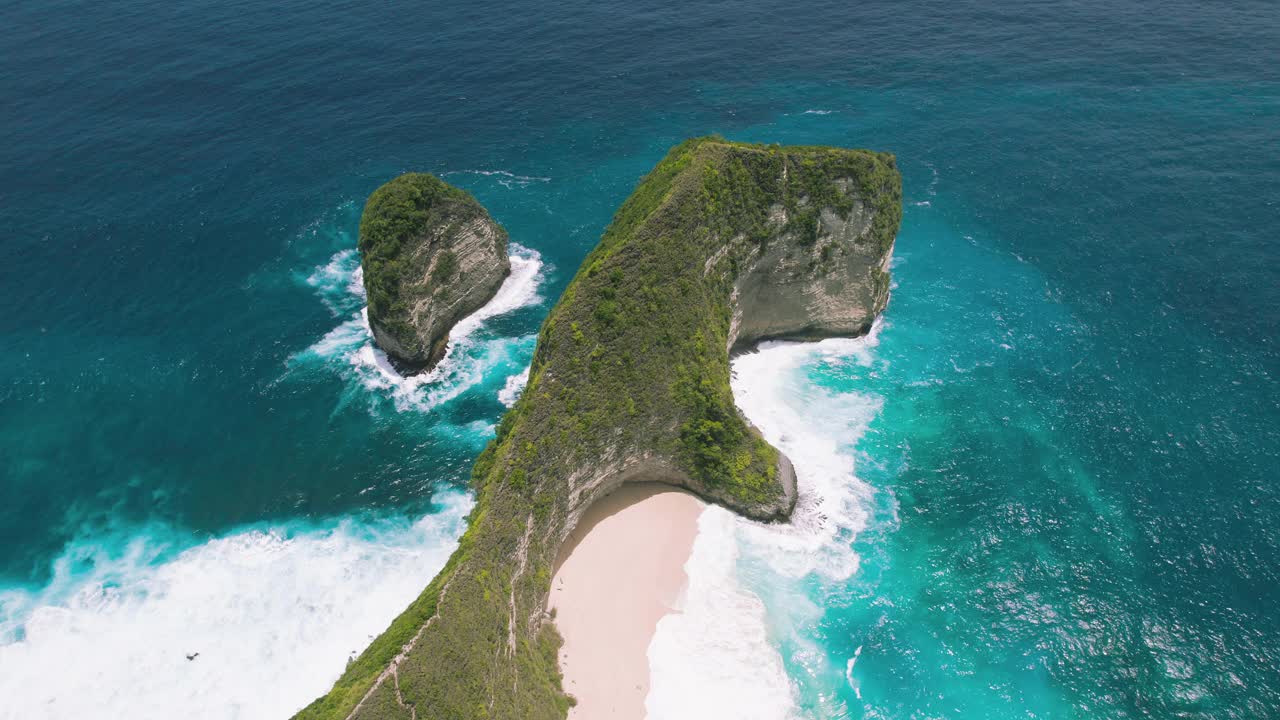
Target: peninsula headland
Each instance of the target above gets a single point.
(720, 246)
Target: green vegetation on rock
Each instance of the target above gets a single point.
(431, 254)
(630, 381)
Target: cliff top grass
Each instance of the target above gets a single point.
(396, 217)
(631, 371)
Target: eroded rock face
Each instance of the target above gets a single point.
(831, 282)
(431, 255)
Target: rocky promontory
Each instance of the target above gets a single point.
(721, 245)
(431, 255)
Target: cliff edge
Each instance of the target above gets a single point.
(723, 244)
(431, 255)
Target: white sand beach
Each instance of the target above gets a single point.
(620, 572)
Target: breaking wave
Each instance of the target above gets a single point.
(253, 624)
(472, 355)
(719, 652)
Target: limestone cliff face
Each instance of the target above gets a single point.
(431, 255)
(721, 245)
(833, 284)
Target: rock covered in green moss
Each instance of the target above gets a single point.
(431, 255)
(721, 245)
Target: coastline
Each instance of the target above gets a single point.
(657, 392)
(619, 573)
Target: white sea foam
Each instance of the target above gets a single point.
(848, 673)
(713, 659)
(342, 340)
(273, 612)
(720, 648)
(335, 273)
(815, 428)
(518, 290)
(339, 282)
(817, 112)
(469, 357)
(931, 190)
(457, 373)
(356, 286)
(503, 177)
(515, 385)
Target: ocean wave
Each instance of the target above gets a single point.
(814, 427)
(817, 112)
(930, 191)
(721, 647)
(339, 282)
(514, 387)
(713, 657)
(848, 673)
(502, 177)
(267, 615)
(464, 367)
(469, 358)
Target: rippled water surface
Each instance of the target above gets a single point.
(1044, 488)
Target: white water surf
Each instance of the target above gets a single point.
(718, 654)
(269, 616)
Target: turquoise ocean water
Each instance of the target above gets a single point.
(1045, 487)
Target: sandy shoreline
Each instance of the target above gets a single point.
(621, 570)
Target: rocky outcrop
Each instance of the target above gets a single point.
(721, 245)
(832, 285)
(431, 255)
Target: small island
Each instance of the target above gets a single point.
(722, 245)
(431, 255)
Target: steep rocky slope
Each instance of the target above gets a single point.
(431, 255)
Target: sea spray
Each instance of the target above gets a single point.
(719, 653)
(505, 178)
(815, 428)
(339, 282)
(253, 624)
(471, 357)
(513, 388)
(713, 657)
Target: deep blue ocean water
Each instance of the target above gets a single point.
(1066, 435)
